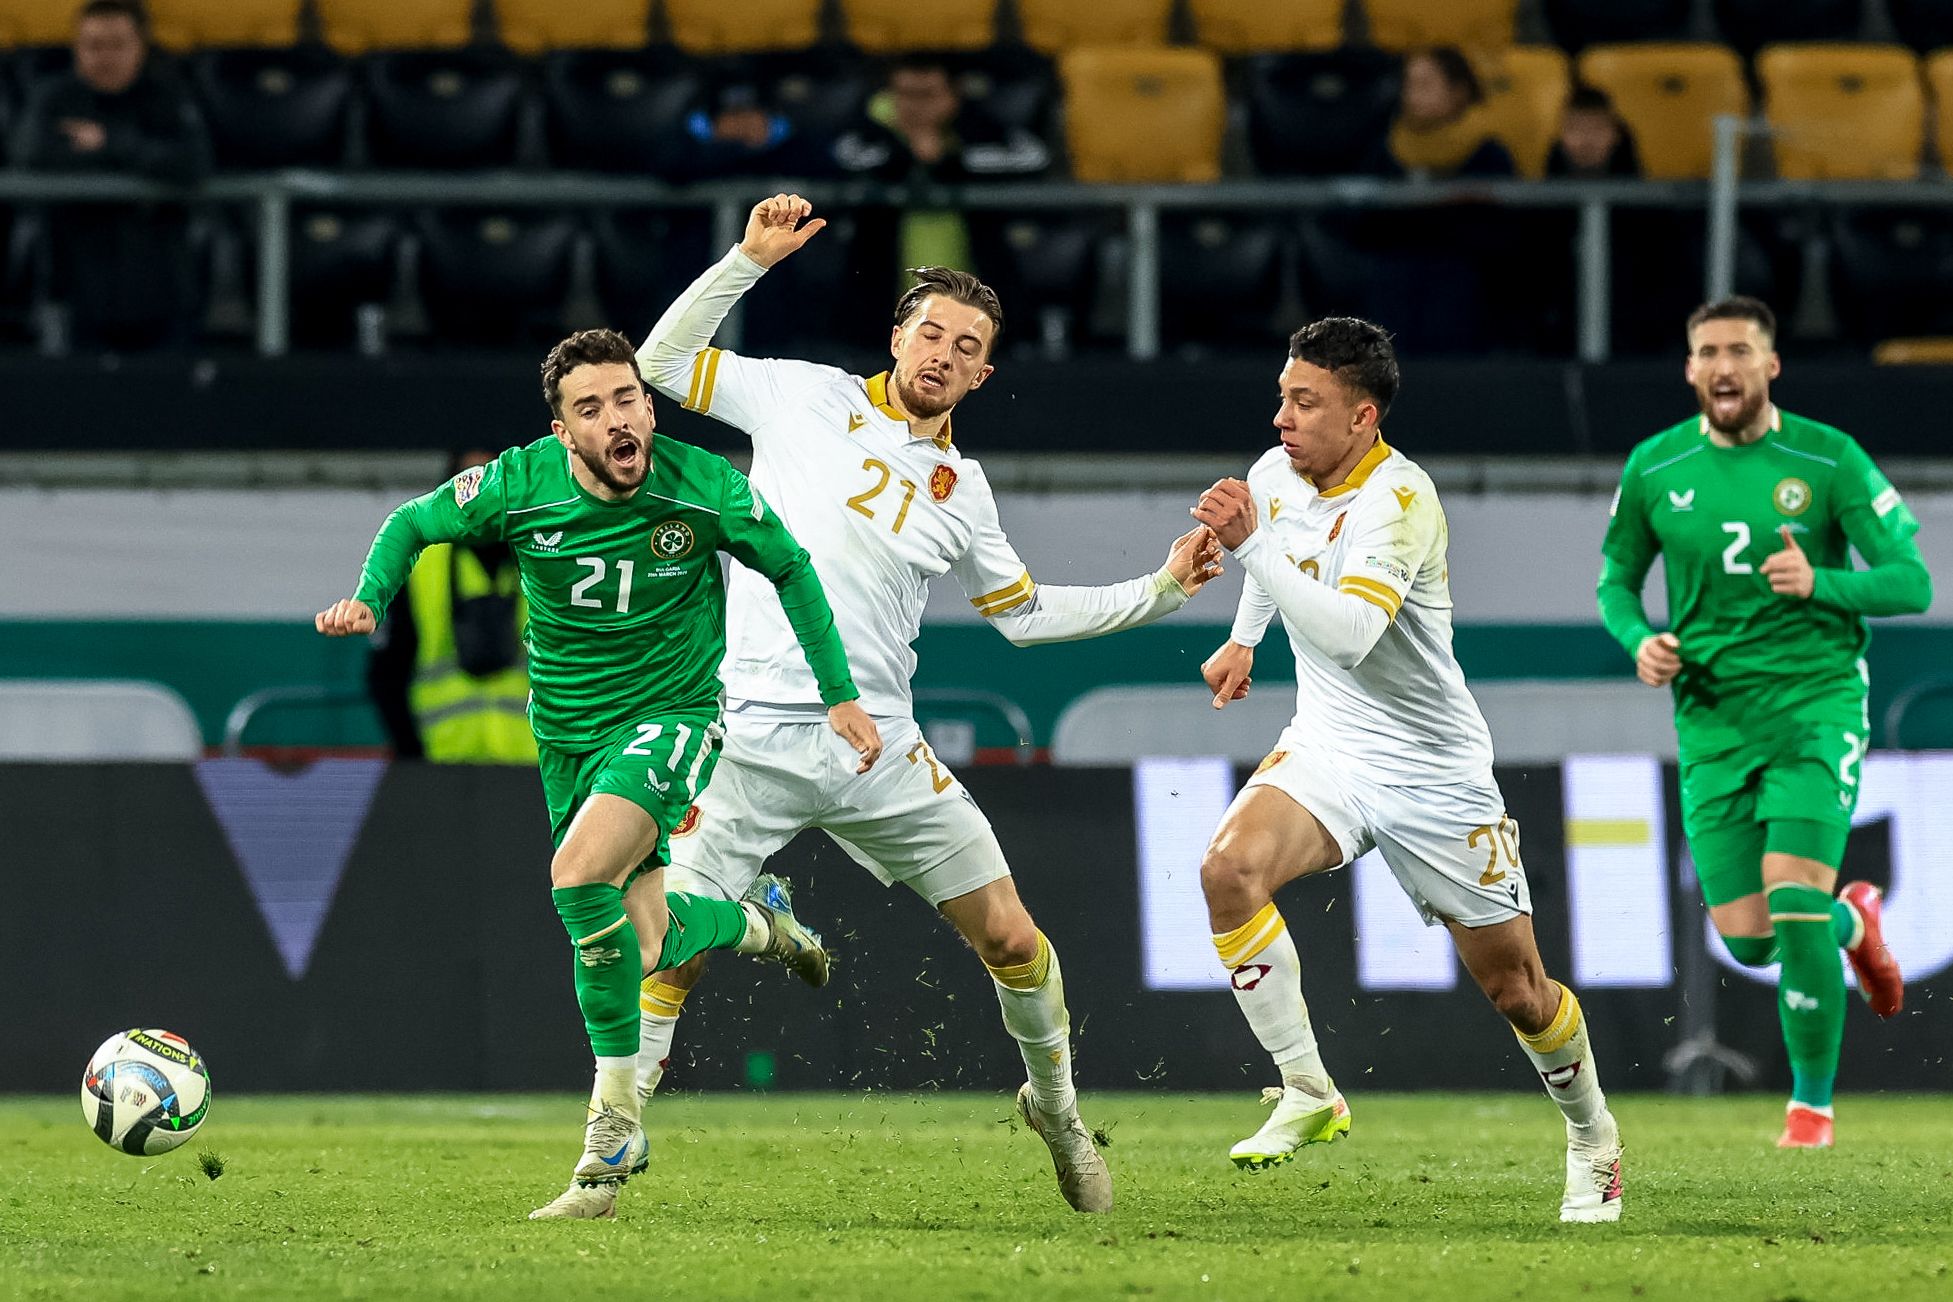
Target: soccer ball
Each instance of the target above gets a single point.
(145, 1092)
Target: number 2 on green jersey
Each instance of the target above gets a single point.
(598, 568)
(1730, 565)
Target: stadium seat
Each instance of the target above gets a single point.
(1662, 254)
(495, 277)
(1939, 80)
(443, 108)
(1220, 279)
(1143, 115)
(1044, 267)
(1016, 86)
(1257, 27)
(1669, 96)
(717, 27)
(342, 260)
(1576, 24)
(275, 107)
(532, 27)
(1892, 272)
(195, 24)
(1318, 114)
(618, 110)
(824, 91)
(1923, 24)
(1402, 25)
(27, 24)
(896, 26)
(357, 26)
(1751, 24)
(1932, 351)
(1055, 26)
(646, 258)
(1525, 96)
(1843, 112)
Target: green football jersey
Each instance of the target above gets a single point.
(627, 603)
(1713, 514)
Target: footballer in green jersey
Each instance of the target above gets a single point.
(1755, 513)
(618, 541)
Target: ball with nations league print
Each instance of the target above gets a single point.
(145, 1092)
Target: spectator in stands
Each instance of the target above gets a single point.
(124, 271)
(1594, 142)
(448, 673)
(736, 132)
(1440, 130)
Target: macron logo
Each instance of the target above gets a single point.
(548, 542)
(1682, 501)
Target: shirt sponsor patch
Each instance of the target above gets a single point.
(467, 484)
(1882, 504)
(1394, 569)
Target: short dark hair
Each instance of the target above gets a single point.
(1456, 69)
(1737, 307)
(921, 61)
(1589, 99)
(1355, 351)
(959, 286)
(585, 348)
(130, 9)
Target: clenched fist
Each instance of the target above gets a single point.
(346, 618)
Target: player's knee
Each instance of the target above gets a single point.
(1007, 939)
(572, 868)
(686, 974)
(1229, 878)
(1524, 997)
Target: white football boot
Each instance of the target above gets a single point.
(1593, 1178)
(1299, 1118)
(614, 1148)
(1083, 1177)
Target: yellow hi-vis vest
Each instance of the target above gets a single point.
(464, 719)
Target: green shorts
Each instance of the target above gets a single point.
(1792, 794)
(659, 763)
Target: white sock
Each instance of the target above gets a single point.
(1565, 1062)
(1266, 974)
(658, 1007)
(759, 929)
(1032, 996)
(616, 1085)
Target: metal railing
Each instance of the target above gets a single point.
(272, 196)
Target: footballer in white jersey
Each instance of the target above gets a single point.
(1344, 538)
(866, 474)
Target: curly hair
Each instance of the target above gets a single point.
(585, 348)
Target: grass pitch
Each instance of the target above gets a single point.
(944, 1197)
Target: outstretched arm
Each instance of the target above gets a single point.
(468, 508)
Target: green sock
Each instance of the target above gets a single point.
(1810, 990)
(699, 923)
(1752, 951)
(607, 969)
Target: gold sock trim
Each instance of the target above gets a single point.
(596, 936)
(1029, 975)
(1251, 937)
(1565, 1025)
(658, 999)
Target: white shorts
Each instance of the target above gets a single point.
(1451, 846)
(906, 820)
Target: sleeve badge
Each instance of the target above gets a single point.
(942, 482)
(467, 484)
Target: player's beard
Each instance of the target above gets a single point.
(1746, 414)
(619, 479)
(921, 404)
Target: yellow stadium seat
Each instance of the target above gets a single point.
(743, 26)
(1525, 96)
(1935, 350)
(1467, 24)
(356, 26)
(532, 27)
(1256, 26)
(1939, 79)
(1055, 26)
(1669, 94)
(188, 24)
(895, 26)
(1143, 115)
(1843, 112)
(37, 22)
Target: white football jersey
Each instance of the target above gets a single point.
(1403, 714)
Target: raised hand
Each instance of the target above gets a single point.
(858, 730)
(773, 229)
(1228, 508)
(1194, 559)
(1658, 659)
(1227, 672)
(1789, 571)
(345, 618)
